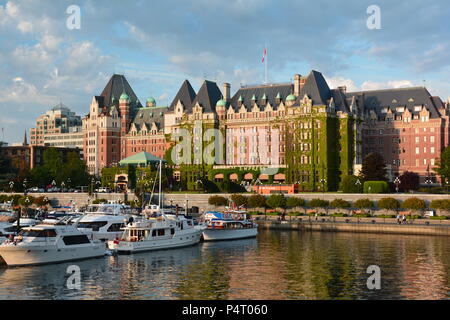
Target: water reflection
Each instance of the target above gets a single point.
(276, 265)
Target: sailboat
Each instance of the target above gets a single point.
(164, 231)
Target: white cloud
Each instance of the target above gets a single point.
(334, 82)
(23, 92)
(393, 84)
(25, 27)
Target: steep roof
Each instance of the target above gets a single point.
(185, 94)
(403, 97)
(150, 115)
(207, 96)
(316, 88)
(271, 91)
(117, 85)
(142, 158)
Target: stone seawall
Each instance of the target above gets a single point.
(201, 200)
(431, 230)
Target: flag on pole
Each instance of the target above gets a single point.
(264, 55)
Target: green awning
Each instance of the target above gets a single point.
(142, 158)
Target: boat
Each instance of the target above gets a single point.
(164, 232)
(49, 243)
(161, 231)
(105, 221)
(228, 226)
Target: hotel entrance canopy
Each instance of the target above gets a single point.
(141, 159)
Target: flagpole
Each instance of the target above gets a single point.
(265, 64)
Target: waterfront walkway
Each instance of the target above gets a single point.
(357, 225)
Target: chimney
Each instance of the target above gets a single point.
(343, 89)
(297, 88)
(226, 91)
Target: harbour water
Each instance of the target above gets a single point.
(275, 265)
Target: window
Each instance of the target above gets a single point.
(51, 233)
(115, 227)
(417, 150)
(73, 240)
(417, 139)
(95, 226)
(432, 149)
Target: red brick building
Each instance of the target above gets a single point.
(118, 126)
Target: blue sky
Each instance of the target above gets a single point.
(158, 44)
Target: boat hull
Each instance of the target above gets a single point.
(229, 234)
(16, 255)
(178, 240)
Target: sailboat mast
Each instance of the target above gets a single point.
(160, 180)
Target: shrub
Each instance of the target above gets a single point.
(340, 203)
(386, 216)
(23, 200)
(41, 201)
(409, 181)
(256, 201)
(318, 203)
(276, 201)
(376, 187)
(293, 202)
(98, 201)
(349, 185)
(239, 199)
(339, 214)
(363, 204)
(388, 204)
(414, 204)
(217, 201)
(443, 204)
(438, 218)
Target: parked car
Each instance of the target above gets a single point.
(102, 190)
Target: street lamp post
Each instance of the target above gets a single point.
(397, 183)
(323, 181)
(358, 183)
(428, 182)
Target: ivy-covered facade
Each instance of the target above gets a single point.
(300, 133)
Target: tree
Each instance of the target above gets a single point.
(340, 203)
(256, 201)
(409, 181)
(363, 204)
(276, 201)
(319, 203)
(54, 163)
(443, 165)
(293, 202)
(41, 201)
(442, 204)
(349, 184)
(239, 199)
(217, 201)
(373, 168)
(414, 204)
(388, 204)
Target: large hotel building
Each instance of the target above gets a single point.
(314, 134)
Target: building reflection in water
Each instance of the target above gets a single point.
(276, 265)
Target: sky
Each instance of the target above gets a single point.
(159, 44)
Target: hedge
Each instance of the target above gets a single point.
(376, 187)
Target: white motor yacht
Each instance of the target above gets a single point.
(227, 226)
(164, 232)
(105, 221)
(49, 243)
